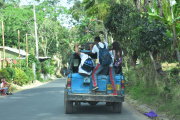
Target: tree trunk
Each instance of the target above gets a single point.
(132, 64)
(58, 68)
(125, 62)
(138, 4)
(159, 5)
(152, 60)
(146, 3)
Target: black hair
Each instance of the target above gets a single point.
(97, 39)
(0, 79)
(117, 48)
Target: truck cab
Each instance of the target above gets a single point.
(79, 87)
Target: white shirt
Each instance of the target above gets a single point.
(83, 57)
(95, 49)
(1, 85)
(112, 56)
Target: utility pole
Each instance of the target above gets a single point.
(3, 45)
(37, 53)
(26, 50)
(19, 48)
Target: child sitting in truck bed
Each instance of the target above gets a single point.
(87, 64)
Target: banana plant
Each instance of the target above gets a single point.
(167, 14)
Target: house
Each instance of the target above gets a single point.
(11, 55)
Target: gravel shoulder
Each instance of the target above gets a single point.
(36, 83)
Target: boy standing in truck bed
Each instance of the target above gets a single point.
(95, 49)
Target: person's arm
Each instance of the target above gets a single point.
(76, 49)
(8, 83)
(91, 46)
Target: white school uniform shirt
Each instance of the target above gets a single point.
(83, 57)
(96, 50)
(1, 85)
(112, 56)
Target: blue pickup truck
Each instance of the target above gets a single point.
(78, 88)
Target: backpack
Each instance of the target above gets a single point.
(88, 65)
(104, 56)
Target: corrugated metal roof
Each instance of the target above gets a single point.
(22, 52)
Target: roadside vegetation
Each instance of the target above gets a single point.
(160, 92)
(24, 74)
(148, 32)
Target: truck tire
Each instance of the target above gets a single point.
(68, 105)
(117, 107)
(109, 103)
(92, 103)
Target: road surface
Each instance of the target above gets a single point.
(46, 102)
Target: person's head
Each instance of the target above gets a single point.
(115, 46)
(97, 40)
(4, 79)
(1, 79)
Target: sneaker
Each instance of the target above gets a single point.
(115, 94)
(95, 88)
(9, 93)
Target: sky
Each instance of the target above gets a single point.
(66, 18)
(62, 2)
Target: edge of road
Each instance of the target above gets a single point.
(143, 108)
(36, 83)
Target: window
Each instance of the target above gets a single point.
(76, 62)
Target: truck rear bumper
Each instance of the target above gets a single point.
(98, 98)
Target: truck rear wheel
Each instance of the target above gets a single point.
(68, 105)
(117, 107)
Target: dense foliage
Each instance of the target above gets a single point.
(20, 77)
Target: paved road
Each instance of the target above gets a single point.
(46, 103)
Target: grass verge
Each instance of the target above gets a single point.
(159, 92)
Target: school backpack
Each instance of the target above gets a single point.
(104, 56)
(88, 65)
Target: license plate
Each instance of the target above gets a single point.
(86, 80)
(109, 87)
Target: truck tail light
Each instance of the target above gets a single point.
(69, 82)
(122, 84)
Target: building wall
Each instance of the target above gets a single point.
(9, 54)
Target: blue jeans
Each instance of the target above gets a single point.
(5, 89)
(98, 69)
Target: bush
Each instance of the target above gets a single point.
(38, 75)
(47, 67)
(21, 77)
(5, 74)
(174, 71)
(32, 59)
(29, 73)
(11, 72)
